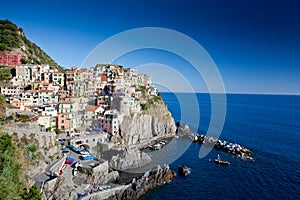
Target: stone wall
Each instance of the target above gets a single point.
(47, 148)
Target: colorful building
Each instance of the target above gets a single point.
(11, 58)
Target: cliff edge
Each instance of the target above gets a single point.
(154, 122)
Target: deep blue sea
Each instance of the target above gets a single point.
(268, 125)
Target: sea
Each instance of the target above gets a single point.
(268, 125)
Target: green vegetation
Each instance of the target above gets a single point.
(97, 149)
(25, 61)
(32, 194)
(3, 106)
(144, 106)
(57, 131)
(143, 88)
(10, 172)
(157, 98)
(5, 74)
(32, 151)
(12, 38)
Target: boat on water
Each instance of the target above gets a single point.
(155, 147)
(221, 162)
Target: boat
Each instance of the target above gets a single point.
(155, 147)
(84, 152)
(221, 162)
(88, 157)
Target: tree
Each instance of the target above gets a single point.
(144, 106)
(57, 131)
(10, 167)
(32, 194)
(24, 61)
(4, 47)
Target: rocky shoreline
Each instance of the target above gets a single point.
(232, 148)
(140, 185)
(108, 185)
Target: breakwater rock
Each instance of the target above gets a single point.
(225, 146)
(129, 159)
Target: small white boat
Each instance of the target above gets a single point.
(222, 162)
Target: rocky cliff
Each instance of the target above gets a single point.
(138, 186)
(59, 189)
(155, 121)
(129, 159)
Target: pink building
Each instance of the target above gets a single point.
(11, 58)
(109, 122)
(66, 122)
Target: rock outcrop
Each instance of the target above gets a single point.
(156, 121)
(139, 186)
(99, 175)
(129, 159)
(183, 131)
(158, 175)
(58, 189)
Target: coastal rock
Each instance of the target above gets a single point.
(183, 131)
(130, 158)
(58, 189)
(99, 178)
(156, 121)
(138, 187)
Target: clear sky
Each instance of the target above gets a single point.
(254, 43)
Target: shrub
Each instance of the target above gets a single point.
(144, 106)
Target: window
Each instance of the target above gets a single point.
(62, 121)
(94, 139)
(87, 141)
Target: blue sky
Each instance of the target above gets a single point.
(255, 44)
